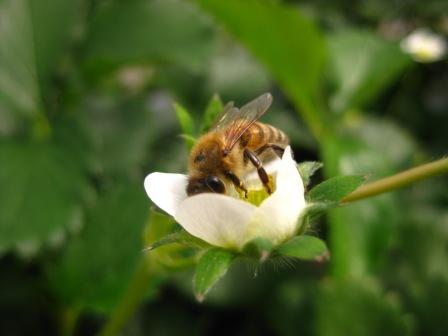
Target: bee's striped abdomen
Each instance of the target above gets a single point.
(259, 134)
(276, 136)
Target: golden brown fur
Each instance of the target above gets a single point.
(207, 157)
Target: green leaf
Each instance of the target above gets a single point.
(307, 170)
(19, 87)
(33, 36)
(119, 130)
(214, 108)
(335, 188)
(363, 65)
(186, 124)
(263, 27)
(72, 134)
(258, 248)
(303, 247)
(179, 237)
(54, 22)
(211, 267)
(41, 195)
(96, 267)
(149, 31)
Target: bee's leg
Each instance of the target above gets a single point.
(239, 185)
(276, 148)
(260, 170)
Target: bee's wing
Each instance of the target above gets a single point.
(234, 122)
(223, 118)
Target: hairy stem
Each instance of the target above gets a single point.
(130, 301)
(398, 180)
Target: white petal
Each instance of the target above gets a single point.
(218, 219)
(277, 217)
(167, 191)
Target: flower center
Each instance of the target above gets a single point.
(256, 196)
(425, 54)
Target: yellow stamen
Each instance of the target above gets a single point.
(257, 196)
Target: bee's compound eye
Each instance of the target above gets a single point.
(215, 184)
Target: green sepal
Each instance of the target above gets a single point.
(259, 248)
(189, 140)
(307, 169)
(186, 124)
(214, 108)
(212, 266)
(179, 237)
(303, 247)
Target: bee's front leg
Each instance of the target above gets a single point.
(260, 170)
(239, 185)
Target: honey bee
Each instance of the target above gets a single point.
(235, 145)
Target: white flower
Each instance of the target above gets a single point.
(424, 46)
(230, 222)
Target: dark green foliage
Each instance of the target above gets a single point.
(34, 35)
(158, 31)
(87, 93)
(363, 149)
(42, 194)
(96, 266)
(371, 311)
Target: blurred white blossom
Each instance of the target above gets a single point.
(424, 46)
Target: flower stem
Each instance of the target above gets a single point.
(130, 301)
(68, 318)
(398, 180)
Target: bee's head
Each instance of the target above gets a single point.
(211, 183)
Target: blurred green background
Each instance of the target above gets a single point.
(86, 111)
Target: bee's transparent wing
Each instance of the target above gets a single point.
(234, 122)
(223, 118)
